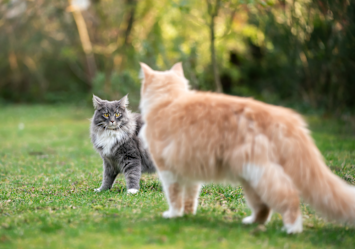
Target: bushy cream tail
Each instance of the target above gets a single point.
(319, 187)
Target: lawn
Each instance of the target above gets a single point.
(48, 171)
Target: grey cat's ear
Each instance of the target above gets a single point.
(96, 101)
(145, 71)
(177, 68)
(124, 101)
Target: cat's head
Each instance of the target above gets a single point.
(156, 84)
(110, 115)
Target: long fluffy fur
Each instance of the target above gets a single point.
(201, 136)
(120, 148)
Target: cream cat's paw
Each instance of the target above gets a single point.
(132, 191)
(170, 214)
(295, 227)
(248, 220)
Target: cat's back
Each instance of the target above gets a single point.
(208, 123)
(200, 128)
(220, 111)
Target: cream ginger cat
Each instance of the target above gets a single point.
(197, 137)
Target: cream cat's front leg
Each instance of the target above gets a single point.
(191, 193)
(174, 193)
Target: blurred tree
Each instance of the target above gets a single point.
(212, 9)
(294, 52)
(76, 6)
(308, 53)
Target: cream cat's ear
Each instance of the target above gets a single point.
(177, 68)
(96, 101)
(145, 71)
(124, 101)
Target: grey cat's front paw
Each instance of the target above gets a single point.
(132, 191)
(97, 190)
(100, 189)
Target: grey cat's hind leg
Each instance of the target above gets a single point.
(109, 176)
(132, 172)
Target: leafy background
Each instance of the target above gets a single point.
(298, 53)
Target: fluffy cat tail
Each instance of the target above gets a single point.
(325, 191)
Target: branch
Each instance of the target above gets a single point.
(132, 5)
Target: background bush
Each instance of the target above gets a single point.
(299, 53)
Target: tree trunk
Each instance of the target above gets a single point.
(86, 44)
(213, 14)
(131, 4)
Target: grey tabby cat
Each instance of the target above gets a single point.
(114, 133)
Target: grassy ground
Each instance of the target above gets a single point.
(48, 171)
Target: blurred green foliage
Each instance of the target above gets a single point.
(299, 53)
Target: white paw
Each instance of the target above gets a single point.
(97, 190)
(132, 191)
(168, 214)
(248, 220)
(295, 227)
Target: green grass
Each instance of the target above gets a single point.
(48, 171)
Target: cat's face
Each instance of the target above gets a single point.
(110, 115)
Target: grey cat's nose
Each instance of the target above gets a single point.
(112, 121)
